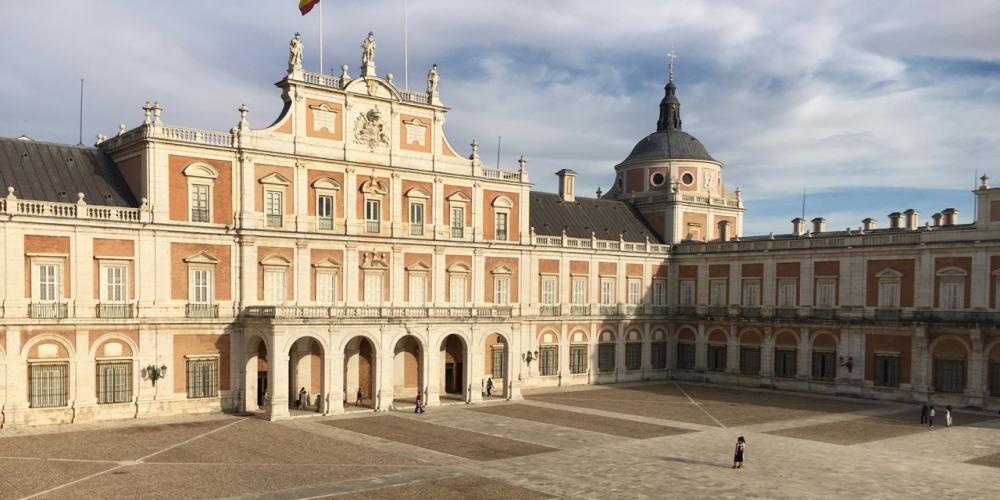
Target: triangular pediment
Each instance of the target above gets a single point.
(201, 258)
(275, 178)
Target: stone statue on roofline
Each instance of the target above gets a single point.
(295, 52)
(368, 50)
(432, 80)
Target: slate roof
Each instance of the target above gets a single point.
(549, 215)
(669, 145)
(46, 171)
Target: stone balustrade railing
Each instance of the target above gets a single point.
(588, 243)
(14, 206)
(903, 237)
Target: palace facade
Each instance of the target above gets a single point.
(349, 250)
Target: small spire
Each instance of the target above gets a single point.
(670, 106)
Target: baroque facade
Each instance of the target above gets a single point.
(349, 250)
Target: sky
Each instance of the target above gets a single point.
(869, 107)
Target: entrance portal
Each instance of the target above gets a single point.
(359, 373)
(453, 353)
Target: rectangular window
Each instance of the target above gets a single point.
(787, 293)
(658, 355)
(716, 358)
(951, 295)
(948, 375)
(324, 212)
(202, 378)
(501, 218)
(373, 215)
(888, 295)
(823, 366)
(501, 290)
(548, 290)
(687, 292)
(416, 219)
(659, 292)
(199, 203)
(826, 293)
(606, 357)
(750, 360)
(201, 286)
(457, 286)
(113, 289)
(114, 382)
(718, 293)
(634, 287)
(577, 359)
(274, 287)
(785, 363)
(579, 291)
(457, 221)
(48, 385)
(685, 356)
(273, 208)
(498, 355)
(607, 291)
(633, 356)
(418, 289)
(548, 360)
(326, 288)
(47, 286)
(751, 293)
(373, 289)
(886, 371)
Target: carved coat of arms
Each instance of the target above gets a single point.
(370, 130)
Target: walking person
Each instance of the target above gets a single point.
(923, 414)
(303, 399)
(489, 386)
(741, 445)
(930, 417)
(420, 404)
(360, 400)
(947, 416)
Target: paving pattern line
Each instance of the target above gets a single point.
(679, 388)
(130, 462)
(354, 486)
(43, 459)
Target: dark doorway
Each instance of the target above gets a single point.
(261, 387)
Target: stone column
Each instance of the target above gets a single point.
(976, 388)
(767, 357)
(733, 352)
(351, 271)
(474, 368)
(479, 277)
(303, 278)
(248, 281)
(919, 364)
(336, 379)
(277, 386)
(397, 282)
(803, 354)
(438, 277)
(701, 349)
(432, 367)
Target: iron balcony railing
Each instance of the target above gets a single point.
(199, 215)
(273, 220)
(48, 310)
(202, 311)
(115, 310)
(324, 224)
(457, 232)
(372, 226)
(416, 229)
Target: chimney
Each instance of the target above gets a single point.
(950, 217)
(819, 225)
(912, 219)
(868, 224)
(798, 226)
(567, 179)
(937, 219)
(894, 220)
(724, 230)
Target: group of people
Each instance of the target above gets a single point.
(927, 414)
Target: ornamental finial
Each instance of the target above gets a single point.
(671, 55)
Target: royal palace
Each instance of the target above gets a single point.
(350, 250)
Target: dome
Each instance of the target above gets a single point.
(670, 144)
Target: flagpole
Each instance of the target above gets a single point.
(321, 38)
(406, 49)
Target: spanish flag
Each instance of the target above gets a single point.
(306, 5)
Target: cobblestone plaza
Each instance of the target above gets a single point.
(630, 441)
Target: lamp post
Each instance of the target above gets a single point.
(154, 373)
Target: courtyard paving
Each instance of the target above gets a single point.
(643, 441)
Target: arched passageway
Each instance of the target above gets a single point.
(359, 373)
(453, 356)
(306, 375)
(497, 365)
(408, 370)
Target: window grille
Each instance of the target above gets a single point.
(498, 355)
(578, 359)
(199, 203)
(457, 222)
(785, 363)
(606, 357)
(823, 366)
(658, 355)
(114, 382)
(548, 360)
(717, 358)
(685, 356)
(48, 385)
(750, 360)
(948, 375)
(886, 371)
(202, 378)
(633, 356)
(324, 212)
(416, 219)
(501, 226)
(273, 208)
